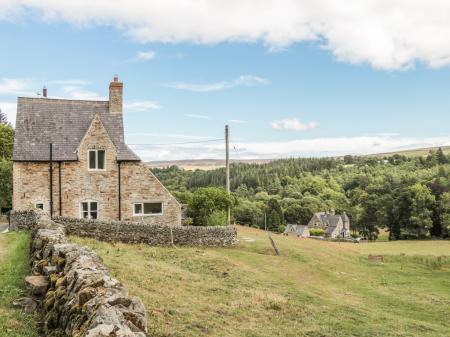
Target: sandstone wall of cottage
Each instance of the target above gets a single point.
(154, 235)
(31, 184)
(140, 185)
(80, 298)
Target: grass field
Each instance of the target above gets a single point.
(315, 288)
(13, 269)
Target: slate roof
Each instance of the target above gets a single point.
(298, 229)
(63, 122)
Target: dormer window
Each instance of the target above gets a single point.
(96, 159)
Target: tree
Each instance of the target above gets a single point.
(274, 215)
(422, 202)
(6, 141)
(5, 183)
(297, 214)
(441, 157)
(205, 202)
(249, 213)
(3, 118)
(369, 218)
(6, 150)
(445, 214)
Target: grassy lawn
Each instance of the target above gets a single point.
(315, 288)
(13, 269)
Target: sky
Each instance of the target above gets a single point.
(290, 78)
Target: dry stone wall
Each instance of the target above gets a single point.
(80, 298)
(22, 220)
(155, 235)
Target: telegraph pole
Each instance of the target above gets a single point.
(227, 169)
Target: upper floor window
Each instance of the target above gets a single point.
(148, 208)
(96, 159)
(89, 210)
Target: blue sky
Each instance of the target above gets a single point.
(308, 96)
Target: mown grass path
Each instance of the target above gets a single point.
(13, 269)
(314, 289)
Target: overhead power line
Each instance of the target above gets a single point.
(181, 143)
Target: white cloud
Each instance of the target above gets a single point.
(238, 121)
(293, 124)
(317, 147)
(10, 109)
(75, 91)
(243, 80)
(17, 87)
(145, 56)
(139, 106)
(197, 116)
(391, 34)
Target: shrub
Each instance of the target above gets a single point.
(206, 201)
(217, 218)
(316, 232)
(188, 221)
(281, 228)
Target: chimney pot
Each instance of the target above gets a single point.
(44, 91)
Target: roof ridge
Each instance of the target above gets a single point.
(62, 99)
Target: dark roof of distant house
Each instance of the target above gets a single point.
(62, 122)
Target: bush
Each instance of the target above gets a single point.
(217, 218)
(205, 202)
(317, 232)
(188, 221)
(281, 228)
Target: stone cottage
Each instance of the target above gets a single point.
(297, 230)
(335, 225)
(70, 159)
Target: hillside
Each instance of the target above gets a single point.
(202, 164)
(413, 152)
(211, 164)
(315, 288)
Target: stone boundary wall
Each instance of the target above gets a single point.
(22, 219)
(80, 298)
(154, 235)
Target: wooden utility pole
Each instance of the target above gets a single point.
(227, 169)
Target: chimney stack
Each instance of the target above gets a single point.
(115, 96)
(44, 92)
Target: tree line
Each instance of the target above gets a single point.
(407, 196)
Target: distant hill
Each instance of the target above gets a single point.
(211, 164)
(412, 152)
(202, 164)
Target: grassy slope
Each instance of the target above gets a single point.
(13, 269)
(314, 289)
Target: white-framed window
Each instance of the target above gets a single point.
(96, 160)
(89, 209)
(148, 208)
(39, 205)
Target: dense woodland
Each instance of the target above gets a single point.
(408, 197)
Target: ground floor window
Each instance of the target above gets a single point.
(39, 205)
(148, 208)
(89, 210)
